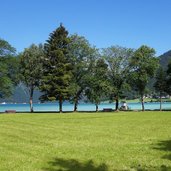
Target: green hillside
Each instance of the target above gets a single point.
(165, 59)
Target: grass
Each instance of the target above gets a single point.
(85, 142)
(148, 100)
(145, 100)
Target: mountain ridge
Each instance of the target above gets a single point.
(164, 59)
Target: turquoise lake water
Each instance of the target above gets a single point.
(81, 107)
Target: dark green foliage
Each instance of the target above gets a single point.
(6, 49)
(13, 69)
(160, 84)
(56, 67)
(168, 79)
(98, 85)
(143, 66)
(31, 68)
(118, 62)
(5, 81)
(82, 57)
(7, 68)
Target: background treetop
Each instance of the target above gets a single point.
(6, 49)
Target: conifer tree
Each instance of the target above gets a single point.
(56, 67)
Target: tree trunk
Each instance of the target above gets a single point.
(142, 102)
(97, 108)
(76, 100)
(31, 100)
(117, 103)
(60, 104)
(160, 101)
(76, 104)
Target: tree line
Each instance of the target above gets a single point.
(67, 67)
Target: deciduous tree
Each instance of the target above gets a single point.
(98, 83)
(143, 66)
(82, 57)
(118, 62)
(31, 69)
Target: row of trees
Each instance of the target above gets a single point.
(69, 68)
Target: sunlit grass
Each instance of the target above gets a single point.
(85, 141)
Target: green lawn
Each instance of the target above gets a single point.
(85, 142)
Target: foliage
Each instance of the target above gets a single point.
(31, 68)
(143, 66)
(56, 67)
(6, 49)
(82, 57)
(168, 79)
(118, 62)
(7, 53)
(5, 81)
(160, 84)
(98, 85)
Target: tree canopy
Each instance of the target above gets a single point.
(68, 67)
(82, 57)
(7, 68)
(143, 66)
(117, 58)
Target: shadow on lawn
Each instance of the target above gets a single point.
(164, 146)
(73, 165)
(150, 168)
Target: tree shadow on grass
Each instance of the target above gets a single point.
(164, 146)
(73, 165)
(151, 168)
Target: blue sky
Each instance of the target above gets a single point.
(128, 23)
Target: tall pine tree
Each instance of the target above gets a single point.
(56, 68)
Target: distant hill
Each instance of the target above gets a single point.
(21, 95)
(165, 59)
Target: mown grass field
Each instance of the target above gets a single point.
(85, 141)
